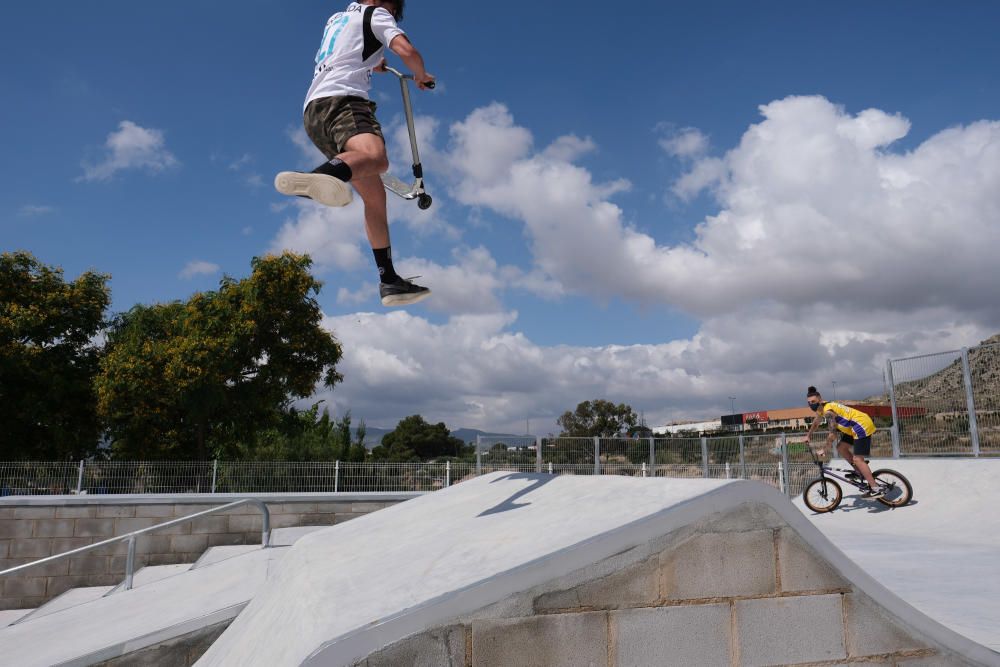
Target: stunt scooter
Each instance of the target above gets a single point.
(393, 184)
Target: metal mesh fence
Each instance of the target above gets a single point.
(984, 372)
(948, 403)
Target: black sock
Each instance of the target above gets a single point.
(336, 168)
(383, 258)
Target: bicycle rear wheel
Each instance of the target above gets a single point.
(822, 495)
(898, 491)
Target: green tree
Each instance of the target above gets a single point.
(598, 418)
(201, 378)
(414, 439)
(48, 359)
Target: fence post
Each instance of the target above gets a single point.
(652, 456)
(447, 474)
(538, 453)
(895, 412)
(336, 475)
(704, 456)
(970, 402)
(597, 455)
(79, 478)
(784, 461)
(643, 468)
(479, 455)
(215, 470)
(743, 458)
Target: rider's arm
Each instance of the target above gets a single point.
(831, 437)
(402, 47)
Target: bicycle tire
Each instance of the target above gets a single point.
(900, 491)
(822, 495)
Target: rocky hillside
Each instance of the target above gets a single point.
(948, 384)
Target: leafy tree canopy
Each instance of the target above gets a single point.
(201, 378)
(598, 418)
(414, 439)
(48, 359)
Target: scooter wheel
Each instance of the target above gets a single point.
(424, 202)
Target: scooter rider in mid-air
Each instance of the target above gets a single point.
(340, 119)
(855, 429)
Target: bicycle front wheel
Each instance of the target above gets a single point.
(898, 491)
(822, 495)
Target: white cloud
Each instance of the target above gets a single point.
(131, 147)
(333, 237)
(828, 253)
(34, 210)
(687, 143)
(198, 268)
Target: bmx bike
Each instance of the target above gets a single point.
(824, 493)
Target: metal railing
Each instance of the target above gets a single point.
(265, 539)
(769, 457)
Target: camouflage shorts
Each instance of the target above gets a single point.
(331, 121)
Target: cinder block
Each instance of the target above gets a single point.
(23, 587)
(226, 539)
(115, 511)
(153, 544)
(128, 525)
(284, 520)
(871, 631)
(210, 524)
(63, 544)
(34, 512)
(937, 660)
(166, 559)
(801, 568)
(94, 528)
(87, 565)
(6, 512)
(368, 507)
(318, 519)
(712, 565)
(557, 640)
(239, 523)
(442, 647)
(681, 635)
(54, 528)
(161, 512)
(781, 631)
(81, 512)
(116, 548)
(14, 529)
(54, 569)
(34, 548)
(188, 543)
(10, 603)
(178, 529)
(341, 517)
(635, 585)
(4, 548)
(59, 585)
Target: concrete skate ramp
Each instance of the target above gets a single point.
(127, 621)
(941, 553)
(525, 569)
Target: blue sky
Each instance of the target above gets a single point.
(141, 140)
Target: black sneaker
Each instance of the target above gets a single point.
(877, 492)
(402, 292)
(318, 187)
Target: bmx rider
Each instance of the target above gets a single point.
(855, 429)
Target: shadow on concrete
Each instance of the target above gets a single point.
(539, 480)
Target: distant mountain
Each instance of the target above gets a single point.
(984, 368)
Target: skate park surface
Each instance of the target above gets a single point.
(940, 553)
(435, 580)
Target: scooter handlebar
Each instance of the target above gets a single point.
(393, 70)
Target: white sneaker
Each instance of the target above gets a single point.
(318, 187)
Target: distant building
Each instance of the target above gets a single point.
(801, 417)
(698, 427)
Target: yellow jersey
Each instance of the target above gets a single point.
(848, 420)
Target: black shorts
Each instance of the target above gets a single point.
(331, 121)
(862, 446)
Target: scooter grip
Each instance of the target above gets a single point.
(430, 85)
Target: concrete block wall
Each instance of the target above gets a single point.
(718, 596)
(37, 527)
